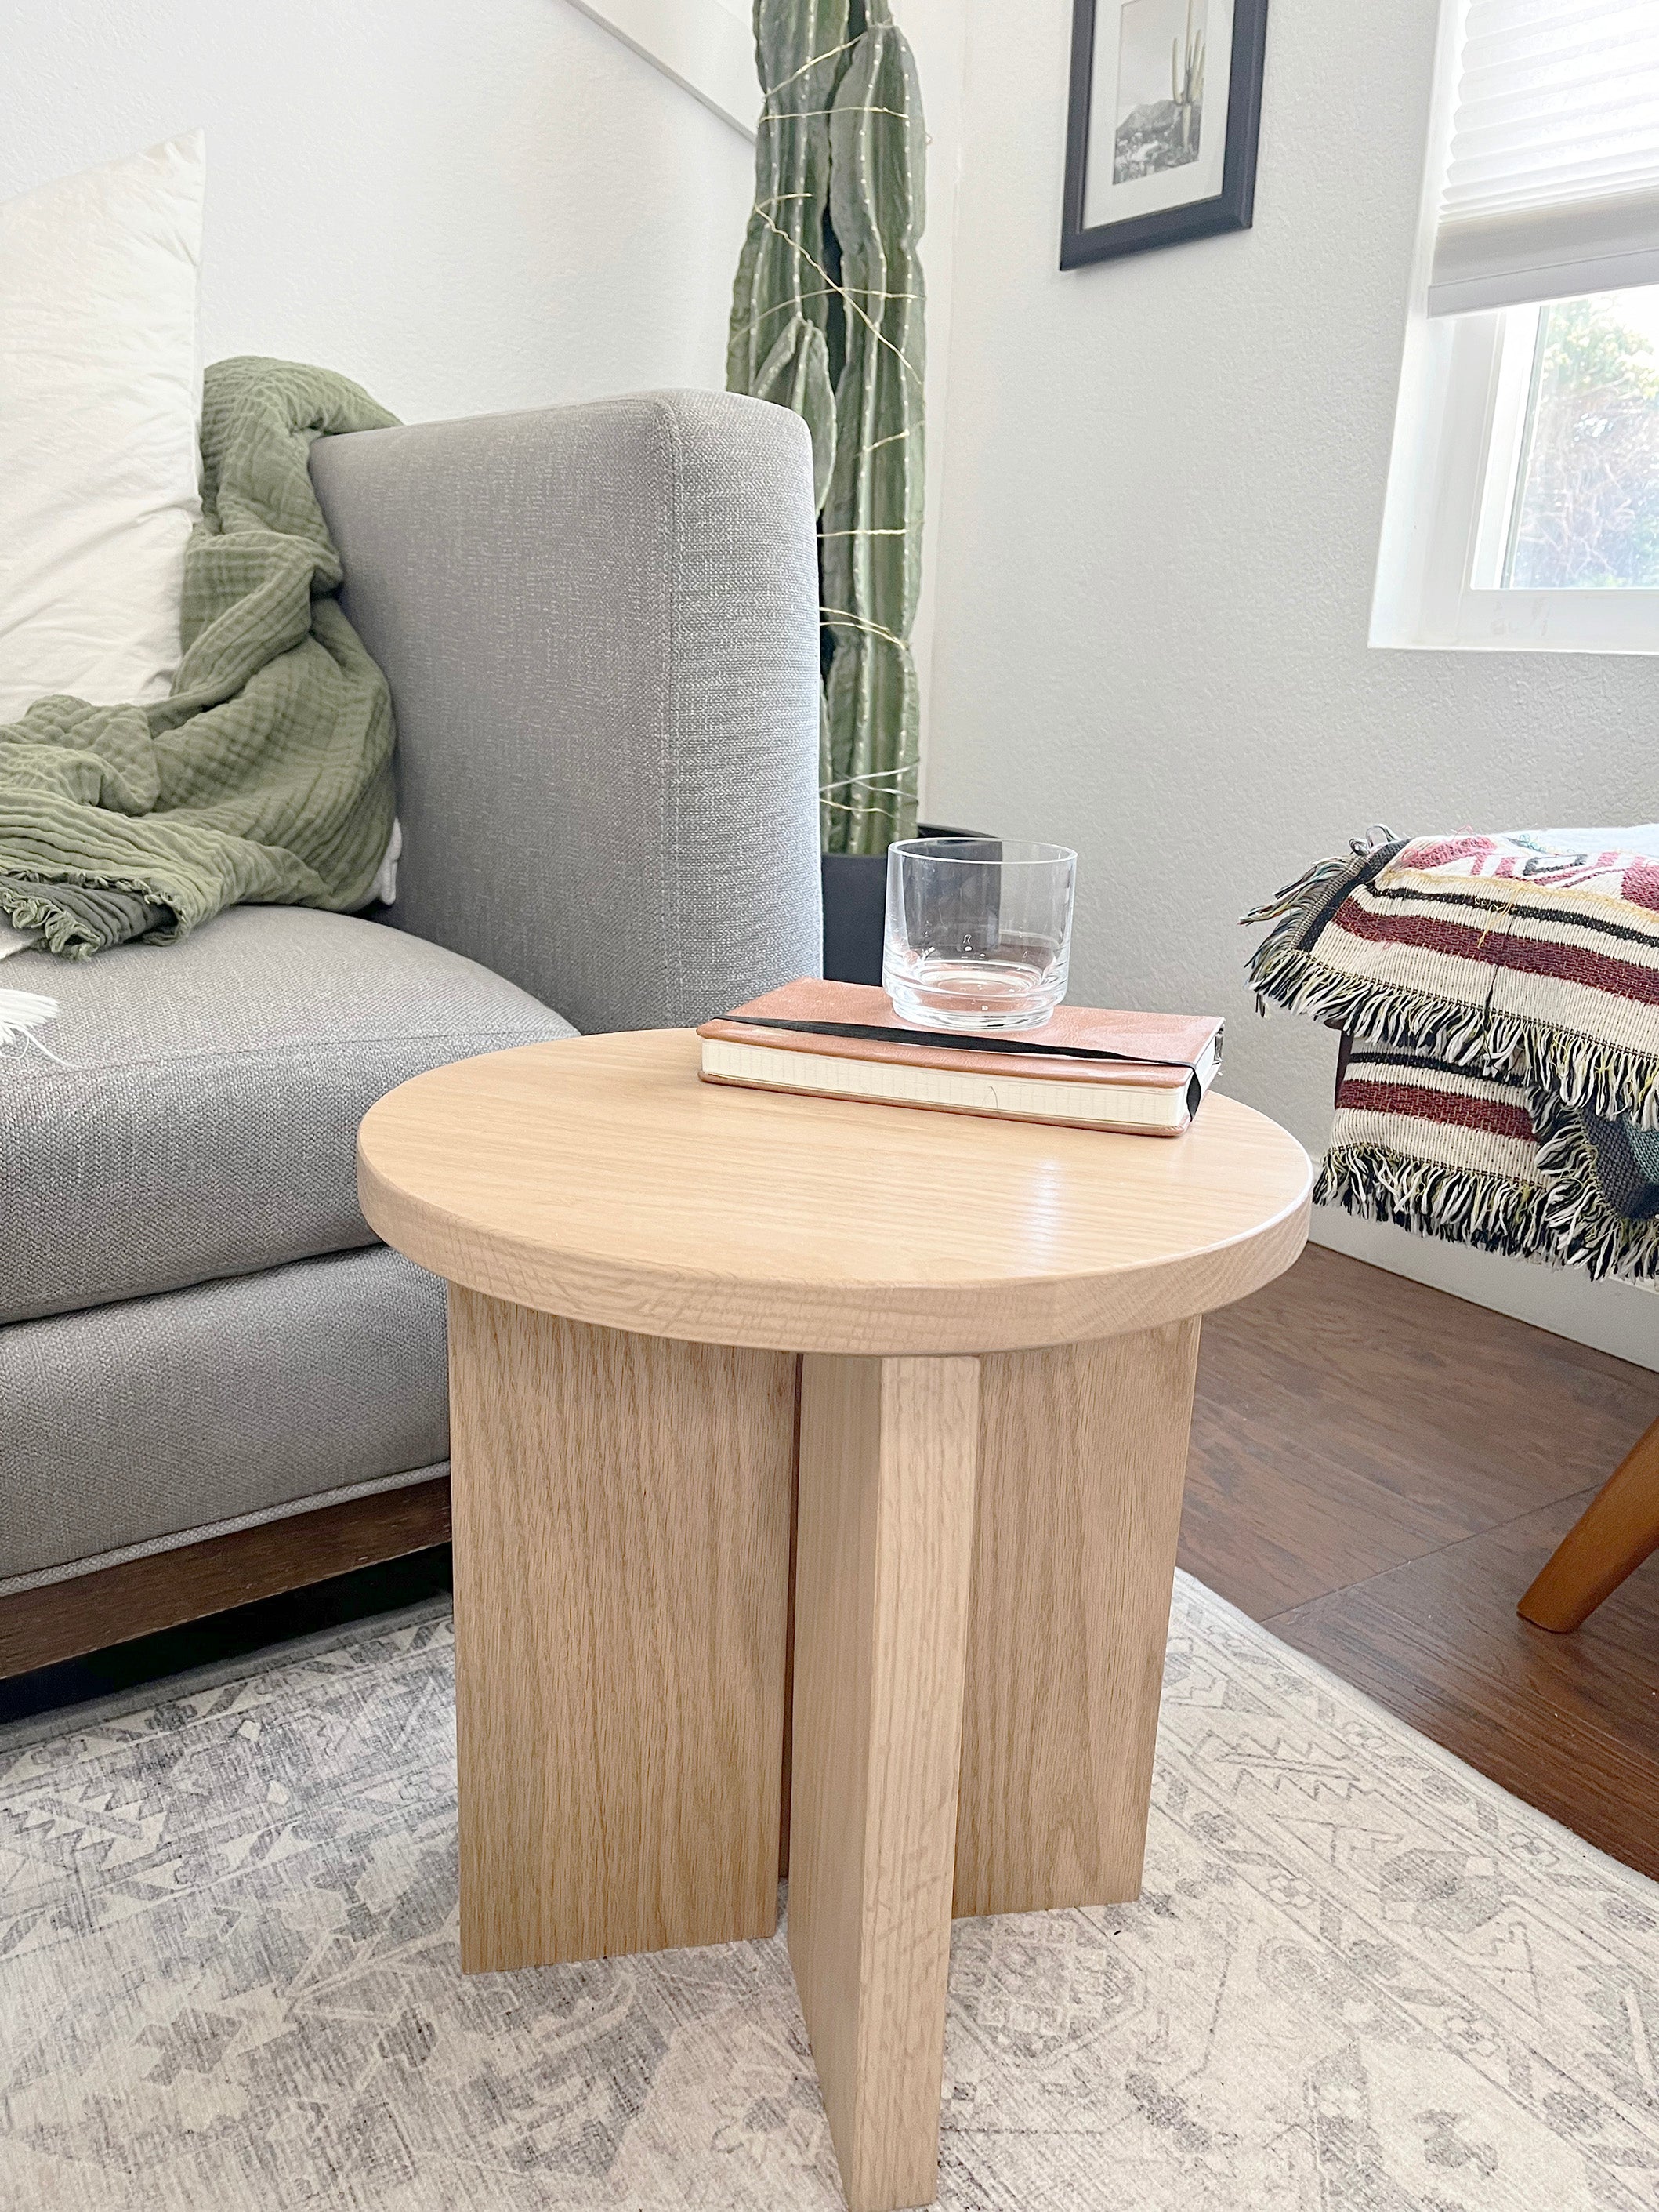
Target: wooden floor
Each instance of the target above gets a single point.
(1378, 1471)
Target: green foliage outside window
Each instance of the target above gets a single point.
(1586, 509)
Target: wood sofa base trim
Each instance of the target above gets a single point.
(112, 1604)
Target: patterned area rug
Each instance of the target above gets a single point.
(1360, 1979)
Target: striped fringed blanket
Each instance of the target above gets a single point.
(1502, 994)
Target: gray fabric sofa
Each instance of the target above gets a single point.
(599, 626)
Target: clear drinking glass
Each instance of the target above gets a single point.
(979, 932)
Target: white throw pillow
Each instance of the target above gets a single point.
(100, 403)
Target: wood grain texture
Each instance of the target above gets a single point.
(621, 1532)
(1616, 1532)
(789, 1650)
(1348, 1420)
(1378, 1469)
(1083, 1451)
(885, 1546)
(598, 1178)
(113, 1605)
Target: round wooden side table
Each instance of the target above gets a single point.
(957, 1356)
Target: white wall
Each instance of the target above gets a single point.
(463, 203)
(1164, 486)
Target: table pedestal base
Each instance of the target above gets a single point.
(984, 1560)
(884, 1555)
(1083, 1458)
(621, 1512)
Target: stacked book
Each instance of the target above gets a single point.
(1087, 1067)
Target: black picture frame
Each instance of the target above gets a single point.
(1231, 208)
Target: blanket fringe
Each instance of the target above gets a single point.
(59, 929)
(1561, 1218)
(1486, 1211)
(1583, 1231)
(1619, 1085)
(1298, 899)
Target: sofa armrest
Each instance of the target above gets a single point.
(599, 624)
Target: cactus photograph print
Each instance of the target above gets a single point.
(1166, 106)
(1160, 86)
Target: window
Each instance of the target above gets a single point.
(1524, 496)
(1584, 511)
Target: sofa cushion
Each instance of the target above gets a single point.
(205, 1124)
(168, 1420)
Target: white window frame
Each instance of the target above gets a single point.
(1459, 436)
(1458, 431)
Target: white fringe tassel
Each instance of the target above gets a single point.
(22, 1012)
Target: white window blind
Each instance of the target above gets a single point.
(1553, 185)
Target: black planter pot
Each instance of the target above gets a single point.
(855, 910)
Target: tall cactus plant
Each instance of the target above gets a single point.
(827, 317)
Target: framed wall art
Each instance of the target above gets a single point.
(1165, 106)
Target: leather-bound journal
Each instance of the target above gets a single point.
(1087, 1066)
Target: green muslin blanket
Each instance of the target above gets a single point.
(266, 775)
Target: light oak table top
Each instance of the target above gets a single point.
(597, 1178)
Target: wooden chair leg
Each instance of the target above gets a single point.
(1609, 1540)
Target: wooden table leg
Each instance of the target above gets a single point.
(1083, 1457)
(1610, 1537)
(884, 1552)
(622, 1563)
